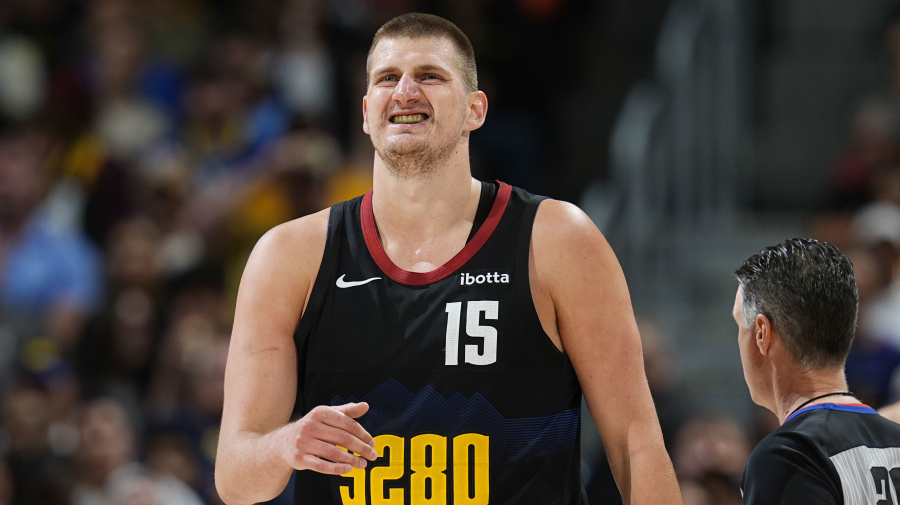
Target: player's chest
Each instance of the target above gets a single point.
(473, 318)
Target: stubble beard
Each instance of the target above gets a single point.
(416, 162)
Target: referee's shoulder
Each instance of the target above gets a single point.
(803, 436)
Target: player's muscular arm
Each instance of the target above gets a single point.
(580, 280)
(258, 449)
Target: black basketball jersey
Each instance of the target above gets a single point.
(470, 401)
(826, 454)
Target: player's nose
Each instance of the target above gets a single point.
(407, 89)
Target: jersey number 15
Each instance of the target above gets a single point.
(474, 310)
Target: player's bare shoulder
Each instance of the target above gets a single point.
(286, 259)
(562, 218)
(300, 239)
(572, 261)
(563, 233)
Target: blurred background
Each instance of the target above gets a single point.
(146, 146)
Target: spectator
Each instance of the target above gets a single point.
(874, 142)
(873, 360)
(50, 275)
(7, 488)
(109, 472)
(878, 227)
(22, 77)
(36, 473)
(711, 452)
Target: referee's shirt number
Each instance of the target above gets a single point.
(884, 481)
(425, 459)
(475, 311)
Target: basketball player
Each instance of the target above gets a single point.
(796, 313)
(438, 332)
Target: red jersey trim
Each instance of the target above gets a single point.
(376, 249)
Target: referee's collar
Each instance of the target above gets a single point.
(859, 408)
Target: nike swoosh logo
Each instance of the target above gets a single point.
(341, 283)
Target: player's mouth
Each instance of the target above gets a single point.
(409, 118)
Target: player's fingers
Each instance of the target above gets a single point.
(333, 416)
(333, 453)
(316, 464)
(340, 438)
(356, 410)
(353, 410)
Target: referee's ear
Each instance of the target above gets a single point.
(763, 333)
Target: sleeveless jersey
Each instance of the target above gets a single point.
(470, 403)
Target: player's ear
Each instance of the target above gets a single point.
(763, 332)
(365, 121)
(478, 105)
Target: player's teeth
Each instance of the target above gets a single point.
(409, 119)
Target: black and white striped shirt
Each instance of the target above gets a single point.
(826, 454)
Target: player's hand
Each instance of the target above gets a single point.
(317, 441)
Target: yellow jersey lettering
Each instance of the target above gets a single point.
(355, 495)
(393, 471)
(478, 469)
(428, 464)
(422, 471)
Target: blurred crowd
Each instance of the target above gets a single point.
(862, 217)
(146, 146)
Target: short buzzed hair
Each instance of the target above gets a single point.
(417, 25)
(808, 291)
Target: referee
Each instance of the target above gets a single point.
(796, 312)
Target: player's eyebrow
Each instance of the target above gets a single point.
(426, 67)
(385, 70)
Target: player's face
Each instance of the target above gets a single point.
(751, 359)
(416, 103)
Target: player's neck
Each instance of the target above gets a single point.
(416, 204)
(424, 221)
(805, 385)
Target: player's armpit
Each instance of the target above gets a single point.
(596, 325)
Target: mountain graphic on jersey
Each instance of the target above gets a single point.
(396, 410)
